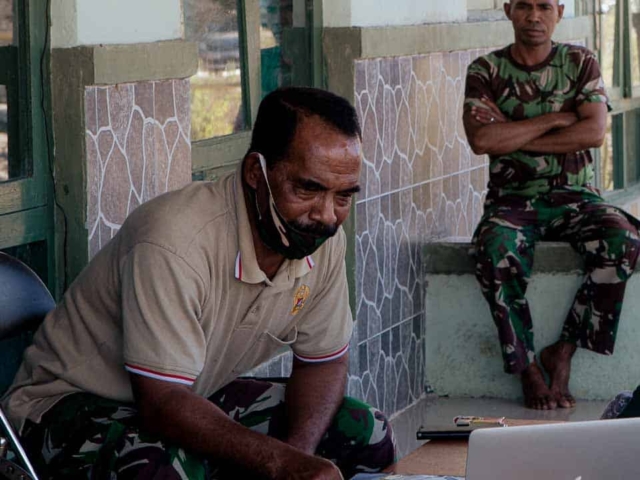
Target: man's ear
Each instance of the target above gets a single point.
(560, 11)
(251, 170)
(507, 9)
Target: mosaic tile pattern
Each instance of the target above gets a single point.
(137, 147)
(279, 366)
(422, 182)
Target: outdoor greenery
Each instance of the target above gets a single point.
(216, 103)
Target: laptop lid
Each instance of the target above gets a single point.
(595, 450)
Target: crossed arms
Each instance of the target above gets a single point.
(551, 133)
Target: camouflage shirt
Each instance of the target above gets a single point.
(567, 78)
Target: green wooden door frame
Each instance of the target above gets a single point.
(26, 214)
(213, 156)
(315, 23)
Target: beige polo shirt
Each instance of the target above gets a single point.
(177, 295)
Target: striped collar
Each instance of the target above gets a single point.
(242, 273)
(247, 269)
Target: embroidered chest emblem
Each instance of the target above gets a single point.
(300, 298)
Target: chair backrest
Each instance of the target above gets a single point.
(24, 302)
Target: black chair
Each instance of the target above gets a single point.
(24, 302)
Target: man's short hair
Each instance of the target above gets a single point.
(281, 111)
(558, 2)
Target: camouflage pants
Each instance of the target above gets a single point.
(88, 437)
(605, 236)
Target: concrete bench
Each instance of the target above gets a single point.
(462, 351)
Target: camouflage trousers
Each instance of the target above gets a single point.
(89, 437)
(605, 236)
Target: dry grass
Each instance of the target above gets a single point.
(216, 102)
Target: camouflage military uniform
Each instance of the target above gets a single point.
(537, 196)
(89, 437)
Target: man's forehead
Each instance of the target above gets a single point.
(314, 132)
(316, 140)
(537, 2)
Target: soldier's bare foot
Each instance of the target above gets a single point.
(556, 360)
(536, 393)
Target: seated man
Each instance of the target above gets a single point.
(536, 107)
(134, 374)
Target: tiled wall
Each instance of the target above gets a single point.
(137, 147)
(422, 182)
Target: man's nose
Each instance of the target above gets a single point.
(534, 15)
(324, 210)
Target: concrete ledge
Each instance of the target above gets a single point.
(456, 259)
(389, 41)
(463, 356)
(149, 61)
(113, 64)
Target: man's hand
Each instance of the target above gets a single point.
(308, 467)
(195, 423)
(488, 113)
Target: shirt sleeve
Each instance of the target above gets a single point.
(325, 331)
(161, 306)
(590, 88)
(477, 84)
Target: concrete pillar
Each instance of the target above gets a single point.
(93, 22)
(361, 13)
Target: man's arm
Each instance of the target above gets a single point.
(503, 136)
(587, 132)
(314, 394)
(174, 412)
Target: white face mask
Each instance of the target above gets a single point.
(275, 215)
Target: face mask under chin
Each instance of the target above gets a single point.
(282, 237)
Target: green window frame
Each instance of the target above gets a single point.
(26, 214)
(624, 96)
(214, 156)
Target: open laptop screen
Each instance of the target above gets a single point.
(595, 450)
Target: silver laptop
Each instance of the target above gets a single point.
(596, 450)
